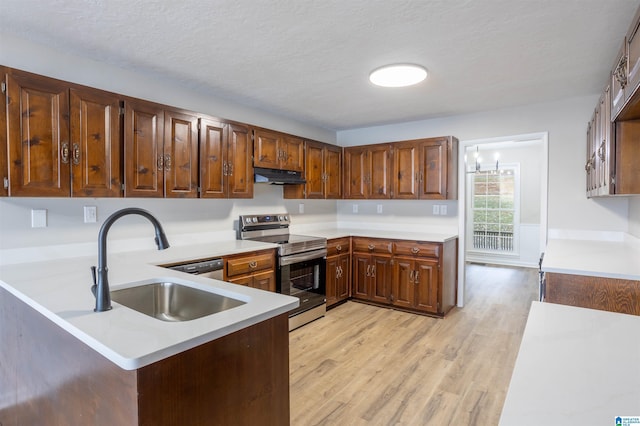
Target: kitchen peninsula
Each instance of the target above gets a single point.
(62, 363)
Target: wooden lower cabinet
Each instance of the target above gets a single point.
(418, 276)
(605, 294)
(371, 277)
(254, 269)
(415, 284)
(338, 278)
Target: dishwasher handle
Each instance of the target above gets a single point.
(200, 268)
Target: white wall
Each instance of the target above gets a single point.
(566, 122)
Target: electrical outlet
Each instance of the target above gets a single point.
(90, 214)
(436, 209)
(301, 208)
(443, 209)
(355, 208)
(38, 218)
(379, 208)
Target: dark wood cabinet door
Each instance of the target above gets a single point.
(213, 159)
(240, 162)
(267, 149)
(4, 165)
(380, 171)
(264, 281)
(405, 170)
(314, 170)
(427, 280)
(292, 154)
(355, 173)
(332, 280)
(403, 288)
(39, 152)
(343, 282)
(333, 172)
(433, 169)
(361, 275)
(143, 149)
(180, 155)
(380, 279)
(95, 144)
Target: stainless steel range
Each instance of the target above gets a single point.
(301, 263)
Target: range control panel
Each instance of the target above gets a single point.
(275, 220)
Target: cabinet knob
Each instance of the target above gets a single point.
(338, 247)
(371, 247)
(64, 153)
(416, 277)
(415, 250)
(253, 264)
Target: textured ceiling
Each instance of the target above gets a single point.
(310, 60)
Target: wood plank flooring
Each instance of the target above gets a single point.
(365, 365)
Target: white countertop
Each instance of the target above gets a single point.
(593, 258)
(575, 366)
(435, 237)
(60, 290)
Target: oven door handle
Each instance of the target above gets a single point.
(302, 257)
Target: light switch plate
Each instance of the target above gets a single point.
(355, 208)
(379, 208)
(38, 218)
(90, 214)
(436, 209)
(443, 209)
(301, 208)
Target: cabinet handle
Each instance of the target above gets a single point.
(368, 270)
(421, 177)
(64, 152)
(225, 169)
(415, 250)
(76, 154)
(230, 168)
(167, 162)
(411, 276)
(160, 162)
(416, 277)
(601, 150)
(253, 264)
(373, 270)
(339, 272)
(371, 247)
(620, 73)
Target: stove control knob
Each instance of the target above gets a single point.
(286, 218)
(255, 220)
(280, 218)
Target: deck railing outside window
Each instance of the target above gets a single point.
(488, 240)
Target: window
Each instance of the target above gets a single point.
(494, 210)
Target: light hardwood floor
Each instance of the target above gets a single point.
(362, 364)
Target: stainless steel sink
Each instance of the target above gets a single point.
(168, 301)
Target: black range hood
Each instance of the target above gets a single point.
(278, 177)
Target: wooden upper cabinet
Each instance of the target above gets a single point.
(438, 177)
(180, 155)
(333, 171)
(4, 165)
(143, 149)
(314, 170)
(405, 170)
(619, 79)
(39, 152)
(323, 173)
(213, 158)
(95, 144)
(160, 151)
(633, 58)
(367, 171)
(275, 150)
(293, 153)
(267, 149)
(240, 159)
(226, 168)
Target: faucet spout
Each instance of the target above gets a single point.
(100, 286)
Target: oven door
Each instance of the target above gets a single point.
(303, 275)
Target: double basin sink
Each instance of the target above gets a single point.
(173, 302)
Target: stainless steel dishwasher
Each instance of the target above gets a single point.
(211, 268)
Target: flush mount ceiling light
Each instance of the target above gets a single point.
(398, 75)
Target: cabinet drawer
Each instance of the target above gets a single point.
(338, 246)
(416, 248)
(249, 264)
(372, 245)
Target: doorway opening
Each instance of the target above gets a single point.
(503, 203)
